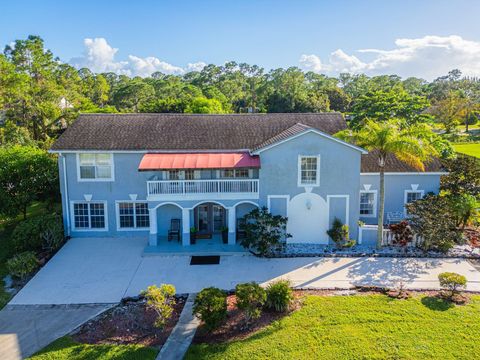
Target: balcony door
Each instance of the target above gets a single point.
(209, 218)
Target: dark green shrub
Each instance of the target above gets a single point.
(340, 234)
(452, 283)
(22, 265)
(279, 295)
(35, 234)
(210, 306)
(250, 299)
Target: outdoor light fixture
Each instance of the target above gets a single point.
(309, 204)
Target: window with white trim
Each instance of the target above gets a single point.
(309, 170)
(95, 166)
(368, 203)
(89, 215)
(133, 215)
(189, 174)
(411, 196)
(235, 173)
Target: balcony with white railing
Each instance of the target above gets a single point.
(202, 189)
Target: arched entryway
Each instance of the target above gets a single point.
(240, 210)
(169, 218)
(209, 219)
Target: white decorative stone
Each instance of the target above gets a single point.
(88, 197)
(133, 197)
(367, 186)
(414, 186)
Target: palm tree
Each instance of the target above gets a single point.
(413, 145)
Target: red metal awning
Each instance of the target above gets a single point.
(198, 161)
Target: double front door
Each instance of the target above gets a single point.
(209, 218)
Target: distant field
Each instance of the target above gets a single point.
(472, 149)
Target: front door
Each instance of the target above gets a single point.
(209, 218)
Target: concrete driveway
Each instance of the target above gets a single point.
(96, 270)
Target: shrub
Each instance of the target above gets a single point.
(210, 306)
(279, 295)
(22, 265)
(35, 234)
(402, 233)
(162, 300)
(263, 231)
(452, 283)
(340, 234)
(250, 299)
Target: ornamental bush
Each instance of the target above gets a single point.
(162, 300)
(41, 232)
(279, 295)
(452, 283)
(22, 265)
(250, 299)
(210, 306)
(340, 234)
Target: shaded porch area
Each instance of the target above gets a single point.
(209, 226)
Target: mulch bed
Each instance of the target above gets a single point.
(131, 322)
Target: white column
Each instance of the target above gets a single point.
(232, 226)
(152, 238)
(186, 227)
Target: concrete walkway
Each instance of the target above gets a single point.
(105, 270)
(25, 330)
(182, 335)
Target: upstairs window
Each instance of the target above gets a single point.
(235, 173)
(309, 171)
(189, 174)
(368, 203)
(95, 167)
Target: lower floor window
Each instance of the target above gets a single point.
(89, 215)
(411, 196)
(133, 215)
(368, 203)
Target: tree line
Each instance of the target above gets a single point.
(40, 95)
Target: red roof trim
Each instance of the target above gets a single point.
(166, 161)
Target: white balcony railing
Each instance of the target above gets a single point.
(195, 188)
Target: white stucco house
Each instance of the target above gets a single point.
(158, 175)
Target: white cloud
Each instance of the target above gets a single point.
(99, 56)
(427, 57)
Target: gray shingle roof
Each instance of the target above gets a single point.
(166, 132)
(185, 131)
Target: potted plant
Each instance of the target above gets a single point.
(193, 235)
(225, 234)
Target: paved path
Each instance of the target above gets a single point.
(182, 335)
(105, 270)
(27, 329)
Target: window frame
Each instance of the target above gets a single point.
(112, 166)
(221, 174)
(105, 215)
(135, 228)
(375, 201)
(299, 171)
(405, 197)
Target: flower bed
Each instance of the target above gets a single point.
(131, 322)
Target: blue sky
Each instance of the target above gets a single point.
(269, 33)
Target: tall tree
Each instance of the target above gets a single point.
(412, 144)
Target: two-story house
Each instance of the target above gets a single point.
(141, 174)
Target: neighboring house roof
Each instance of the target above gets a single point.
(185, 131)
(392, 164)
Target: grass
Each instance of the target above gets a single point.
(67, 349)
(6, 250)
(472, 149)
(361, 327)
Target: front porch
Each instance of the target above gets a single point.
(198, 227)
(212, 246)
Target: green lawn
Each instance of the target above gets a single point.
(67, 349)
(472, 149)
(361, 327)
